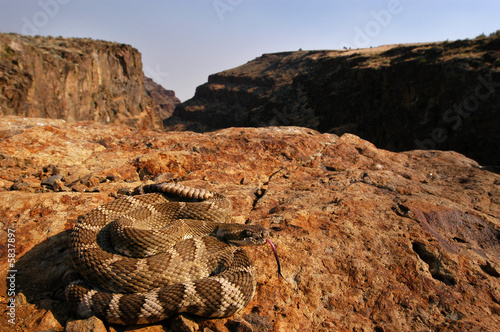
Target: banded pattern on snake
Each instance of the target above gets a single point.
(167, 250)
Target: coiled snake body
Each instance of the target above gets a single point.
(144, 258)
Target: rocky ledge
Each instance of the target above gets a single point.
(369, 240)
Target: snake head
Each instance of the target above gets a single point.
(242, 235)
(246, 235)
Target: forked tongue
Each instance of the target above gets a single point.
(276, 256)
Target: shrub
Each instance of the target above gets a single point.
(8, 51)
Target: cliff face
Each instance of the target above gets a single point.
(165, 100)
(74, 79)
(425, 96)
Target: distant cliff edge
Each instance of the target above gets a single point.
(78, 79)
(400, 97)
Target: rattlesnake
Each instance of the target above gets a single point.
(168, 264)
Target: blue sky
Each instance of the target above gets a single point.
(182, 42)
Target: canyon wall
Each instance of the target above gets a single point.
(75, 79)
(399, 97)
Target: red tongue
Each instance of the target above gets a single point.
(276, 256)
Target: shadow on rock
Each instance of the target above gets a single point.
(40, 275)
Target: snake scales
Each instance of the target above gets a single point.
(165, 251)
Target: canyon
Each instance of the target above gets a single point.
(442, 95)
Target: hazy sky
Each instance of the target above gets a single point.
(184, 41)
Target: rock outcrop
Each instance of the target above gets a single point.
(76, 79)
(165, 100)
(369, 240)
(400, 97)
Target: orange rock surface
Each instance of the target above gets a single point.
(369, 240)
